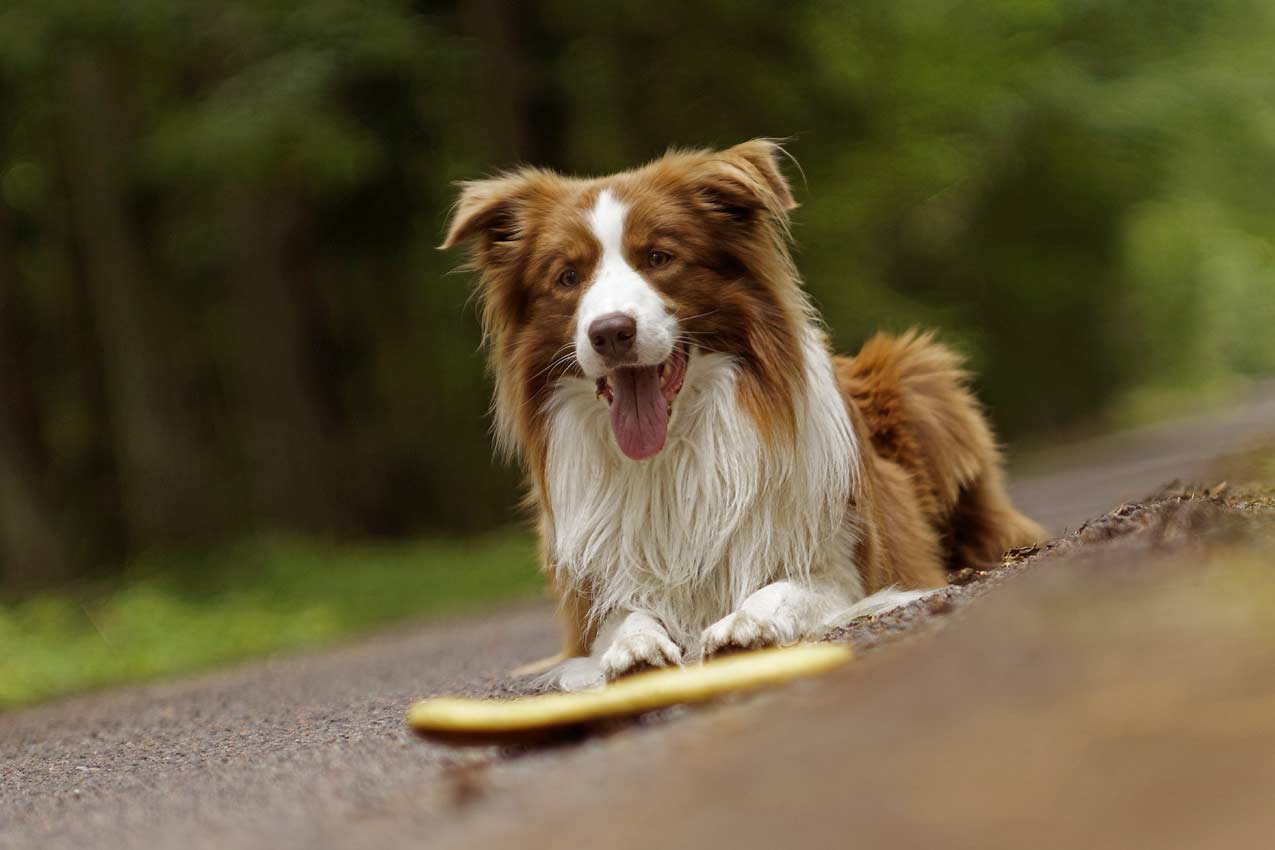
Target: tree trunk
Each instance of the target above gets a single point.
(32, 545)
(525, 112)
(288, 451)
(166, 482)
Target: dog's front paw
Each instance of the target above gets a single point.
(743, 630)
(638, 650)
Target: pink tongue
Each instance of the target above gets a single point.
(639, 411)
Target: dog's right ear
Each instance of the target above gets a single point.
(488, 210)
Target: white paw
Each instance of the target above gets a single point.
(639, 649)
(576, 674)
(742, 630)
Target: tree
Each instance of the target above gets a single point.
(166, 480)
(32, 537)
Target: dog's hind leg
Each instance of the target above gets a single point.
(984, 524)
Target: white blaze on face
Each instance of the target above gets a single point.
(618, 288)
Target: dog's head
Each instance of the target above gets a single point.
(622, 280)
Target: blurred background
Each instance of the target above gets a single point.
(242, 404)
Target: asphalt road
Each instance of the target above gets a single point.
(309, 750)
(1072, 483)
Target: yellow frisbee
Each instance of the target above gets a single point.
(462, 720)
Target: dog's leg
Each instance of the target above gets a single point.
(777, 615)
(632, 640)
(984, 524)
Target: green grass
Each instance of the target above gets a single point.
(178, 611)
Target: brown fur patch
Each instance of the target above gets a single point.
(922, 420)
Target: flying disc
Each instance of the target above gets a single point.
(464, 720)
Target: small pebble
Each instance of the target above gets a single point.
(939, 605)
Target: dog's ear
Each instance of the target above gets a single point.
(746, 180)
(487, 209)
(763, 157)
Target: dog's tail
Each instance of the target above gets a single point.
(881, 602)
(914, 397)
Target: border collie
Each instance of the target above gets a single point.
(707, 475)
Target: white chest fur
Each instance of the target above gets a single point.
(688, 534)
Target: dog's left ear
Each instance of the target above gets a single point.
(746, 180)
(763, 157)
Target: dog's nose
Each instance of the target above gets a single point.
(612, 336)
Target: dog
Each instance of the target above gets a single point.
(706, 474)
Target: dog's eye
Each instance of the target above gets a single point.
(568, 279)
(655, 259)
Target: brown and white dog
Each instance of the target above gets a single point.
(707, 475)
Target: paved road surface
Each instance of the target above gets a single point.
(1090, 477)
(309, 750)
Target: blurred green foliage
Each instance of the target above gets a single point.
(194, 608)
(221, 311)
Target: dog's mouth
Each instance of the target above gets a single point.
(641, 402)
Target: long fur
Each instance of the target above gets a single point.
(691, 533)
(791, 484)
